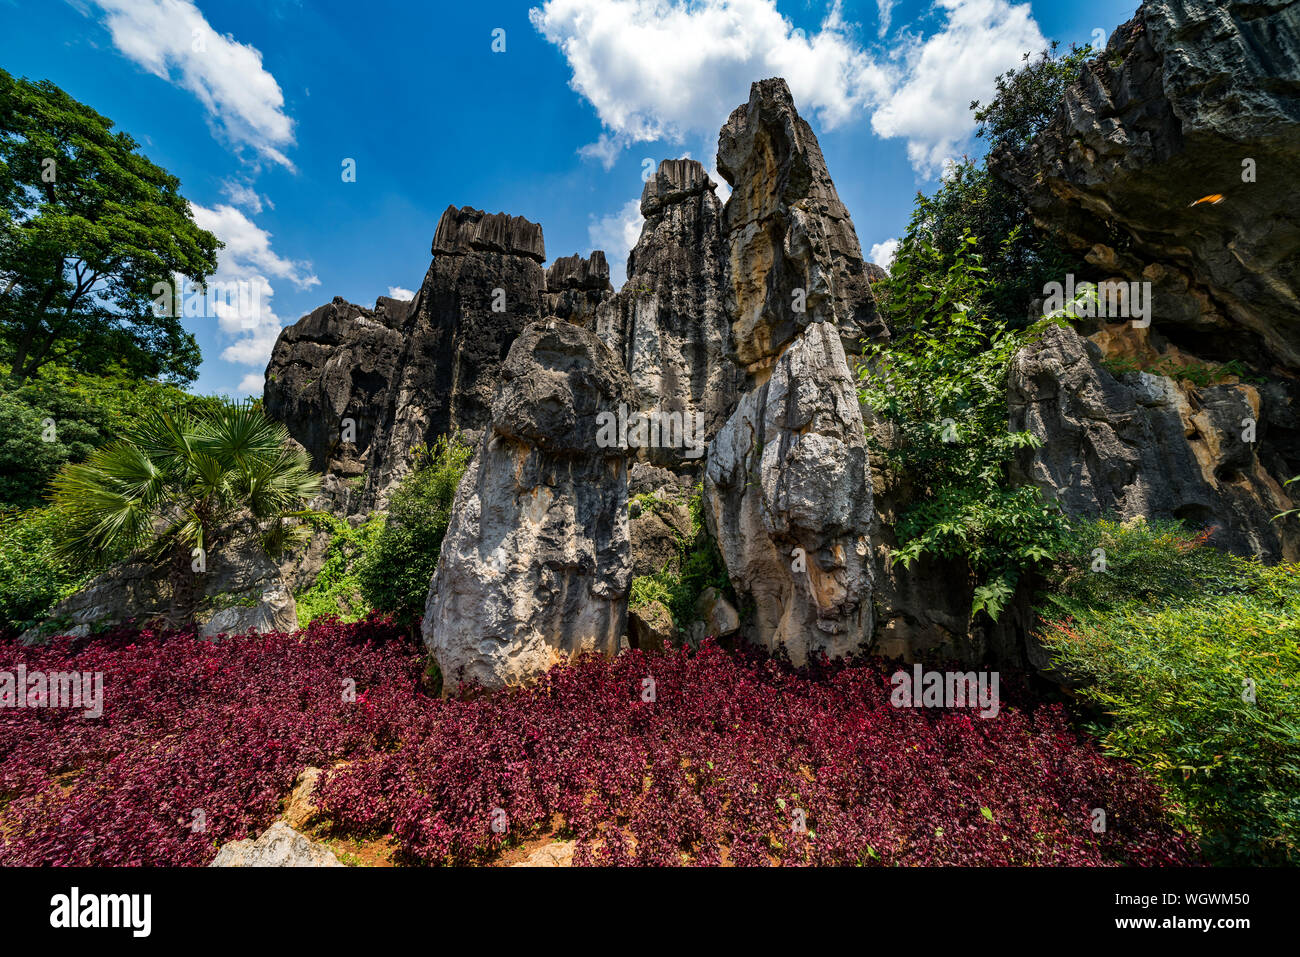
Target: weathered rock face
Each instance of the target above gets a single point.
(791, 241)
(669, 323)
(788, 498)
(535, 565)
(484, 286)
(242, 590)
(1143, 444)
(575, 288)
(1191, 99)
(336, 364)
(361, 388)
(650, 627)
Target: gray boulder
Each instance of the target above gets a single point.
(242, 590)
(278, 846)
(535, 565)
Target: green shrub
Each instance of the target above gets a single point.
(337, 588)
(395, 572)
(942, 385)
(1193, 657)
(32, 577)
(699, 566)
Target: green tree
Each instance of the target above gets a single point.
(941, 384)
(1019, 258)
(62, 415)
(179, 484)
(88, 228)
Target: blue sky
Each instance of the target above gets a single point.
(256, 106)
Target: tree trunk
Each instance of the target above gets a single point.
(185, 587)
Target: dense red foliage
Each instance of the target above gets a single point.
(732, 753)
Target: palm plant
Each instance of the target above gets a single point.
(176, 489)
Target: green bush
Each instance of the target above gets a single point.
(337, 588)
(33, 578)
(395, 571)
(699, 566)
(61, 416)
(941, 384)
(1193, 658)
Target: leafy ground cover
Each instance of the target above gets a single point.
(723, 759)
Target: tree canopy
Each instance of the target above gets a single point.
(88, 226)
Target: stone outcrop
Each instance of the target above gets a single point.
(485, 285)
(575, 288)
(278, 846)
(788, 498)
(333, 365)
(462, 232)
(360, 388)
(241, 591)
(793, 254)
(669, 324)
(1139, 444)
(650, 627)
(535, 565)
(1191, 100)
(787, 490)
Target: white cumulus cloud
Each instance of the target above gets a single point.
(663, 69)
(616, 234)
(174, 41)
(398, 292)
(245, 268)
(673, 69)
(931, 107)
(882, 254)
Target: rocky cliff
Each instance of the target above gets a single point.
(1165, 165)
(747, 315)
(1172, 160)
(360, 388)
(669, 324)
(793, 254)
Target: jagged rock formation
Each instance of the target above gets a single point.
(407, 372)
(1165, 164)
(484, 286)
(535, 564)
(669, 324)
(1143, 444)
(794, 257)
(1191, 99)
(332, 365)
(788, 497)
(575, 288)
(787, 489)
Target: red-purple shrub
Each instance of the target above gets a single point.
(218, 727)
(722, 765)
